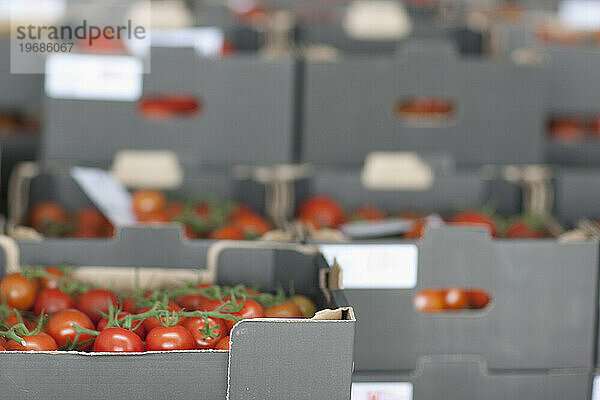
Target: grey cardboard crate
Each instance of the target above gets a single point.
(452, 190)
(576, 193)
(461, 378)
(348, 107)
(267, 360)
(533, 322)
(17, 91)
(247, 117)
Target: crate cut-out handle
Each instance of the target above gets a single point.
(169, 106)
(430, 110)
(451, 300)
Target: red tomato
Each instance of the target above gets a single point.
(148, 202)
(418, 230)
(475, 218)
(12, 320)
(49, 283)
(166, 338)
(250, 309)
(252, 225)
(194, 325)
(158, 217)
(59, 327)
(567, 129)
(118, 340)
(174, 210)
(2, 348)
(368, 213)
(39, 342)
(456, 299)
(46, 213)
(223, 343)
(137, 326)
(522, 230)
(478, 298)
(240, 210)
(51, 301)
(129, 305)
(227, 232)
(89, 219)
(18, 291)
(287, 309)
(430, 300)
(321, 212)
(96, 299)
(151, 323)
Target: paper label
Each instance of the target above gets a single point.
(596, 388)
(382, 391)
(32, 10)
(375, 266)
(110, 196)
(580, 14)
(94, 77)
(396, 171)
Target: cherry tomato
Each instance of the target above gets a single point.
(227, 232)
(2, 348)
(252, 225)
(475, 218)
(39, 342)
(321, 212)
(12, 320)
(194, 325)
(306, 305)
(49, 282)
(96, 299)
(130, 305)
(164, 338)
(89, 219)
(148, 202)
(151, 323)
(158, 217)
(478, 298)
(566, 129)
(523, 230)
(287, 309)
(174, 210)
(46, 213)
(418, 229)
(430, 300)
(51, 301)
(59, 327)
(137, 326)
(368, 213)
(250, 309)
(193, 302)
(223, 343)
(456, 299)
(18, 291)
(118, 340)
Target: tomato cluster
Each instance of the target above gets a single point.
(203, 217)
(574, 129)
(320, 212)
(46, 310)
(450, 299)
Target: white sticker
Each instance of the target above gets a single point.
(207, 41)
(94, 77)
(596, 388)
(382, 391)
(35, 11)
(106, 193)
(580, 14)
(375, 266)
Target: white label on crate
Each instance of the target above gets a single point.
(580, 14)
(106, 193)
(596, 388)
(35, 11)
(375, 266)
(94, 77)
(382, 391)
(207, 41)
(390, 170)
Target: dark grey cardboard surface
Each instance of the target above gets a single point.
(348, 107)
(577, 191)
(246, 101)
(268, 360)
(457, 379)
(534, 321)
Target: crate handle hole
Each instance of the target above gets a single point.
(425, 109)
(451, 300)
(170, 106)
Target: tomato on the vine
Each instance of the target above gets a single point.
(12, 320)
(164, 338)
(38, 342)
(18, 291)
(430, 300)
(227, 232)
(252, 225)
(223, 343)
(195, 324)
(475, 218)
(287, 309)
(146, 202)
(151, 323)
(321, 212)
(96, 300)
(250, 309)
(59, 327)
(137, 327)
(50, 282)
(118, 340)
(51, 301)
(45, 214)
